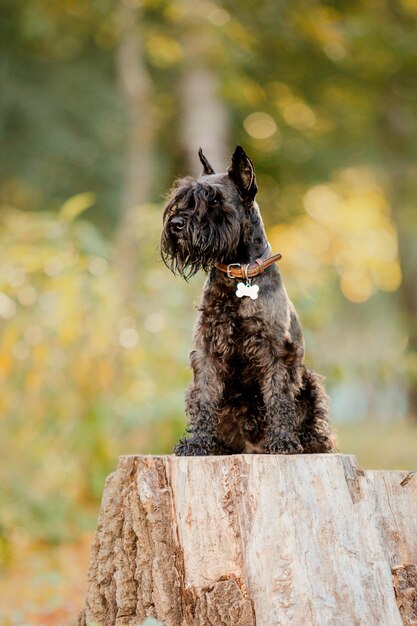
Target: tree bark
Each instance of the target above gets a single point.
(254, 540)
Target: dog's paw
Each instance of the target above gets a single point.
(285, 444)
(188, 447)
(314, 443)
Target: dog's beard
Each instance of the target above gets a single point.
(203, 241)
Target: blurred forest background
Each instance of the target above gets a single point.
(102, 104)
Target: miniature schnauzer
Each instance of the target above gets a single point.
(250, 392)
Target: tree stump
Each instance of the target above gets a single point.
(254, 540)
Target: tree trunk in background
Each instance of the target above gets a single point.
(251, 540)
(407, 237)
(402, 191)
(204, 119)
(137, 89)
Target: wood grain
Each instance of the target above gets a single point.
(254, 540)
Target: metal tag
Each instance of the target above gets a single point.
(251, 291)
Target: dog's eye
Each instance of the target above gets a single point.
(215, 203)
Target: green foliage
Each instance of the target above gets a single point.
(82, 377)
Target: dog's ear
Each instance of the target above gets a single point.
(206, 165)
(242, 173)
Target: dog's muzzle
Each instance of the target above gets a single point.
(177, 223)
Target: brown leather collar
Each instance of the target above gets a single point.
(249, 270)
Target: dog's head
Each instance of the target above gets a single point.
(203, 217)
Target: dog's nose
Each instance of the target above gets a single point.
(177, 222)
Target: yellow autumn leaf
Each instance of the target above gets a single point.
(74, 206)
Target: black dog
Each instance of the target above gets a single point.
(251, 391)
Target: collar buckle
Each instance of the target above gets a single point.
(228, 269)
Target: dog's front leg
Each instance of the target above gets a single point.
(201, 405)
(281, 415)
(201, 439)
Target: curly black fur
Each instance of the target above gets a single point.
(250, 390)
(200, 227)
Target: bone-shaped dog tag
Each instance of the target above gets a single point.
(247, 290)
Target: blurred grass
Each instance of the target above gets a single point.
(379, 445)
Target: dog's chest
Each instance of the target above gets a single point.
(241, 417)
(231, 330)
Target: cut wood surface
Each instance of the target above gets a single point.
(254, 540)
